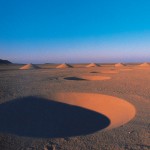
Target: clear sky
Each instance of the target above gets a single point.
(72, 31)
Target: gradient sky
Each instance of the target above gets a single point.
(58, 31)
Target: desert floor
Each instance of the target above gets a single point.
(35, 116)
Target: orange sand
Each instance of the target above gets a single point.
(64, 66)
(95, 77)
(109, 71)
(29, 67)
(92, 65)
(144, 65)
(127, 69)
(117, 110)
(119, 65)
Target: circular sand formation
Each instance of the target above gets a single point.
(47, 118)
(30, 67)
(117, 110)
(109, 71)
(89, 78)
(64, 66)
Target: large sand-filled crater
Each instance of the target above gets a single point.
(48, 118)
(117, 110)
(64, 115)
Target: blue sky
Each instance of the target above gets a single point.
(41, 31)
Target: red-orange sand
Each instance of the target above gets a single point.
(95, 77)
(92, 65)
(117, 110)
(29, 67)
(110, 71)
(64, 66)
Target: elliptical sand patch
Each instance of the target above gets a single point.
(117, 110)
(89, 78)
(109, 71)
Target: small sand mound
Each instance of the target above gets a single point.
(119, 65)
(92, 65)
(64, 66)
(144, 65)
(29, 67)
(89, 78)
(117, 110)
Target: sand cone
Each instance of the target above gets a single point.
(92, 65)
(119, 65)
(64, 66)
(145, 65)
(29, 67)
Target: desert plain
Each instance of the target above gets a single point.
(75, 107)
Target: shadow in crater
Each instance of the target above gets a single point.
(74, 78)
(94, 72)
(42, 118)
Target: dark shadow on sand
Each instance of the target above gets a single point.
(74, 78)
(42, 118)
(94, 72)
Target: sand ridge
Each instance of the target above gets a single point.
(117, 110)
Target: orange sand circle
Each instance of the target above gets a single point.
(95, 78)
(109, 71)
(117, 110)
